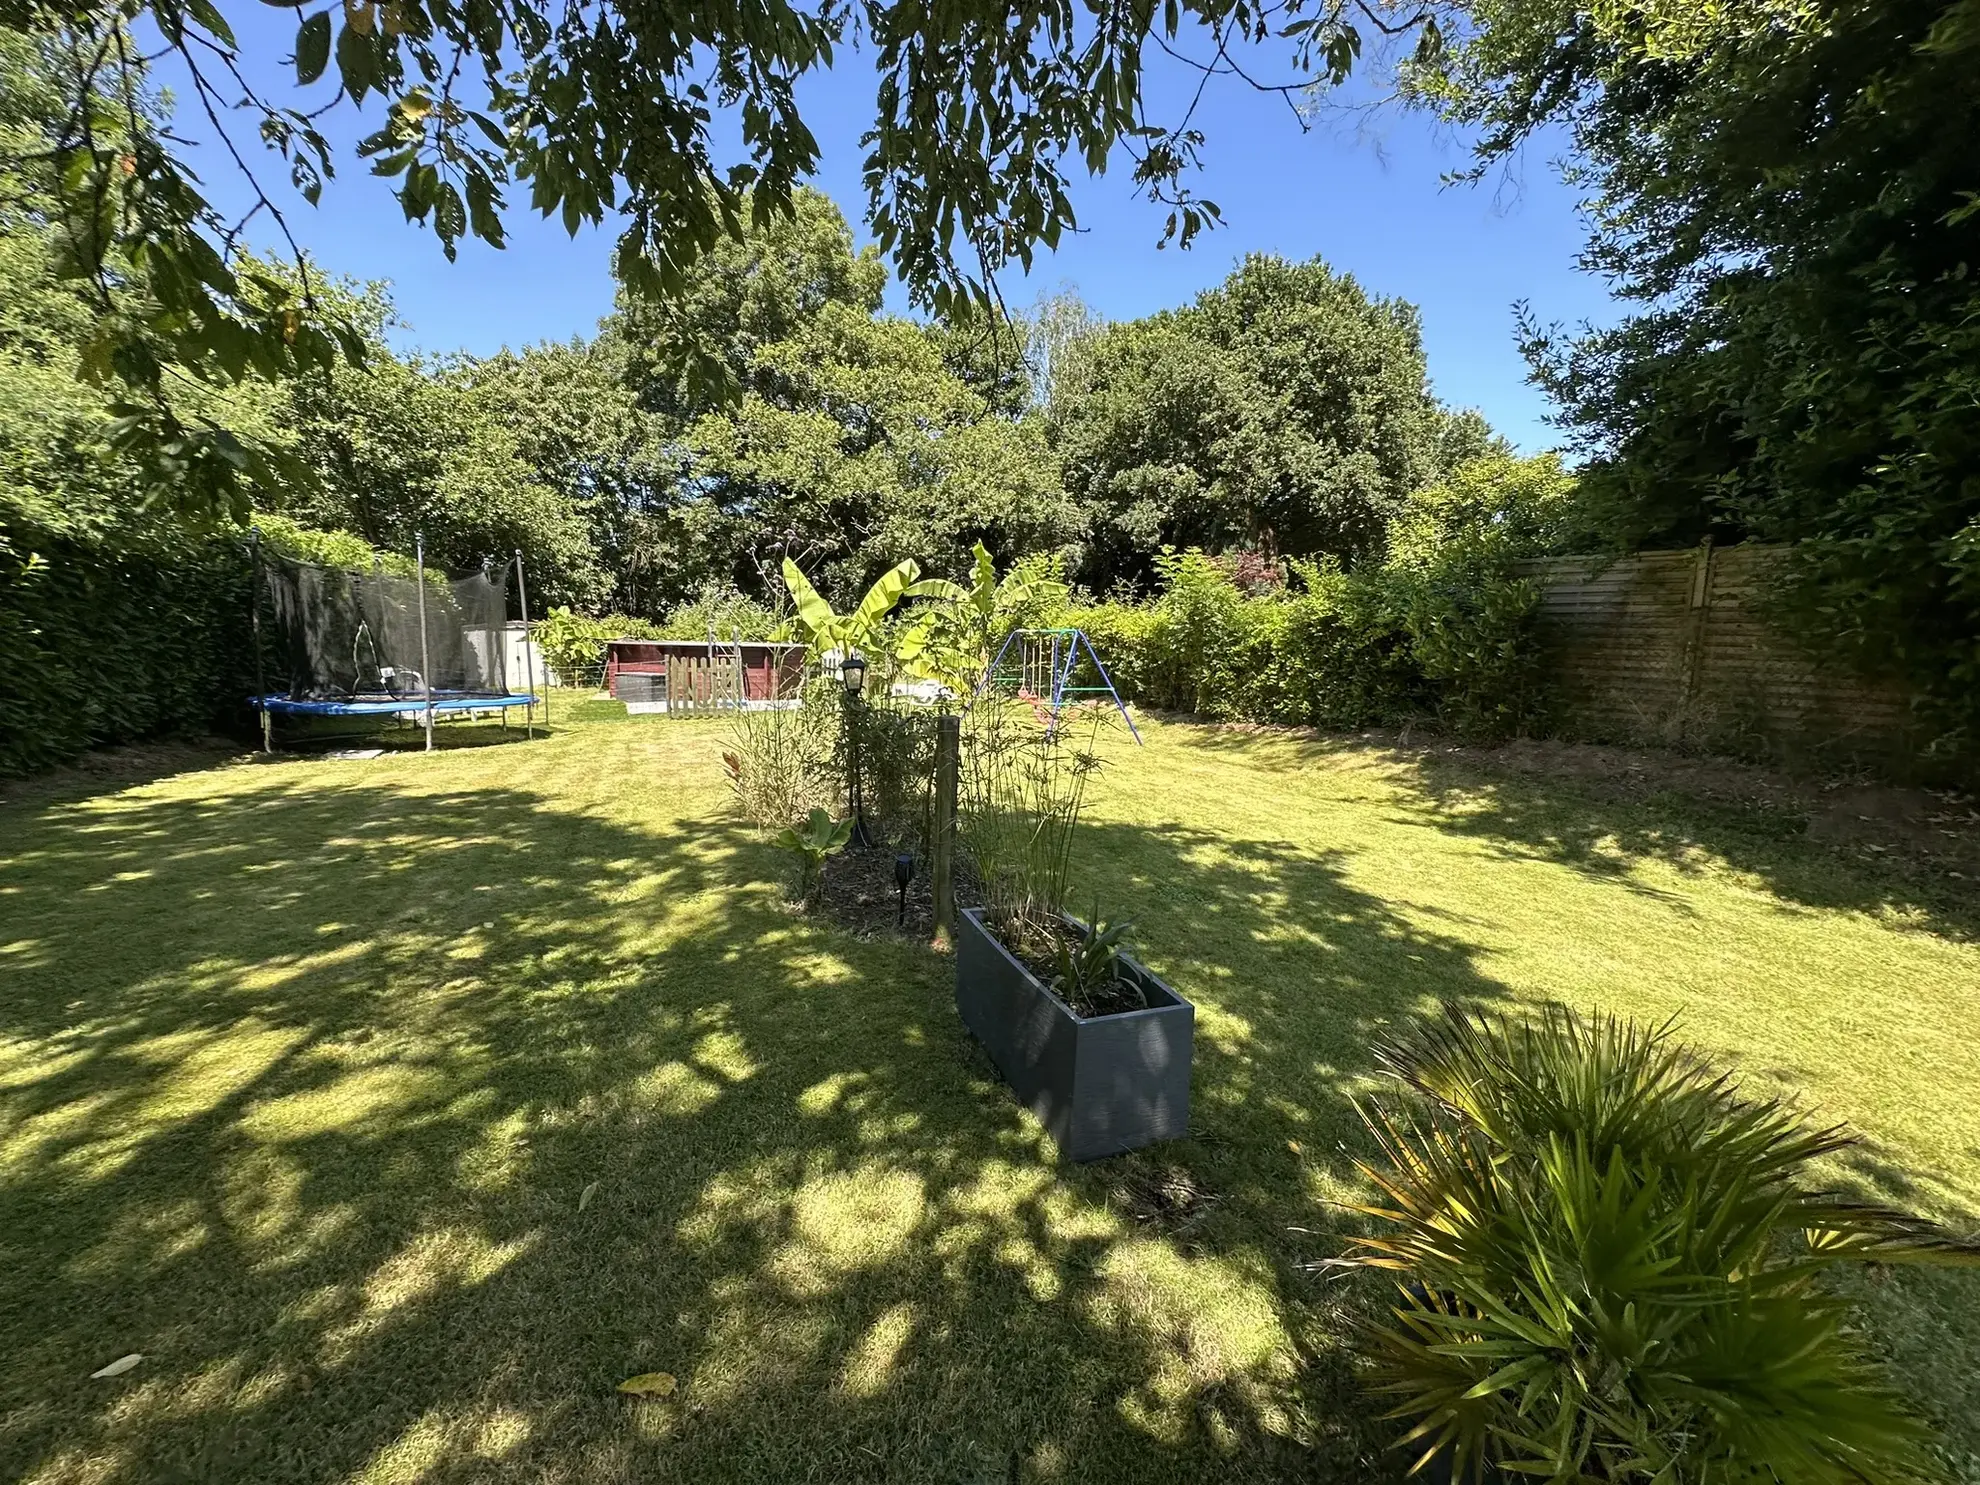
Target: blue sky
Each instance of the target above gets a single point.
(1366, 195)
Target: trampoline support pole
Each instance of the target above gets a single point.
(260, 671)
(529, 656)
(425, 668)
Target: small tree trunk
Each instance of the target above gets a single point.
(942, 852)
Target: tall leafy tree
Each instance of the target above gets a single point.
(578, 426)
(1791, 194)
(597, 108)
(1286, 410)
(744, 294)
(405, 446)
(869, 450)
(859, 439)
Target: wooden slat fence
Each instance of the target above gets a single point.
(1674, 649)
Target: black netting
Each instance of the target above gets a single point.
(356, 636)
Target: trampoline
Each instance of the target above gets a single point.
(398, 646)
(385, 706)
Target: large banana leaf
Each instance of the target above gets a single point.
(983, 589)
(863, 623)
(821, 625)
(939, 588)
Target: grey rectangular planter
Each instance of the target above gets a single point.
(1100, 1086)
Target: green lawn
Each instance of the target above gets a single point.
(305, 1068)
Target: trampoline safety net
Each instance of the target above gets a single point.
(355, 636)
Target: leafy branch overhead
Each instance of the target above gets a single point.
(595, 110)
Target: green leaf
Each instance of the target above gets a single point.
(357, 56)
(204, 12)
(313, 47)
(820, 623)
(892, 585)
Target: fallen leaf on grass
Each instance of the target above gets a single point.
(584, 1196)
(118, 1367)
(648, 1384)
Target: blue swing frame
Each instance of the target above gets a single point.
(1066, 647)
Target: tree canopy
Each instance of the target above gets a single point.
(1286, 410)
(1790, 193)
(980, 111)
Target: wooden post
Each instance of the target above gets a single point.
(425, 665)
(942, 845)
(1692, 660)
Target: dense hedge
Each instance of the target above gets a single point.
(1450, 645)
(106, 640)
(137, 632)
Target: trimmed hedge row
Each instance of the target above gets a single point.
(108, 640)
(1452, 647)
(139, 632)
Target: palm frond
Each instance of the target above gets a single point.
(1594, 1235)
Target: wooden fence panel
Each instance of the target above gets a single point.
(704, 682)
(1676, 649)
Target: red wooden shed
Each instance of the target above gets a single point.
(691, 674)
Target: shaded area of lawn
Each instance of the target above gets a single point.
(308, 1066)
(305, 1069)
(1850, 986)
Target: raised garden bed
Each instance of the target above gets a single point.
(1100, 1085)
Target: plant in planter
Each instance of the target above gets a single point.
(1092, 1042)
(1090, 978)
(1610, 1268)
(810, 843)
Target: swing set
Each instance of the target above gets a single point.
(1046, 664)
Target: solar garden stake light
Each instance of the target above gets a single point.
(852, 672)
(903, 874)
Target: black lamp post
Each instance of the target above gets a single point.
(852, 671)
(903, 874)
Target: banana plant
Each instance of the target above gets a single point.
(862, 628)
(950, 643)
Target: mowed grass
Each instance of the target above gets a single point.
(306, 1068)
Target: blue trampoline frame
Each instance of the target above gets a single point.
(414, 706)
(427, 704)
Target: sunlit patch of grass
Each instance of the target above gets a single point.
(365, 1098)
(396, 1111)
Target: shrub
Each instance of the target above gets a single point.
(809, 844)
(1610, 1266)
(573, 644)
(897, 766)
(112, 640)
(779, 764)
(138, 630)
(1442, 630)
(1449, 641)
(724, 612)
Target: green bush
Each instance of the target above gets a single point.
(726, 613)
(1610, 1267)
(574, 644)
(111, 640)
(1449, 642)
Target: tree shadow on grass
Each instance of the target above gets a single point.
(306, 1080)
(1604, 835)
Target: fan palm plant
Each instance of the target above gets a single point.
(1611, 1262)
